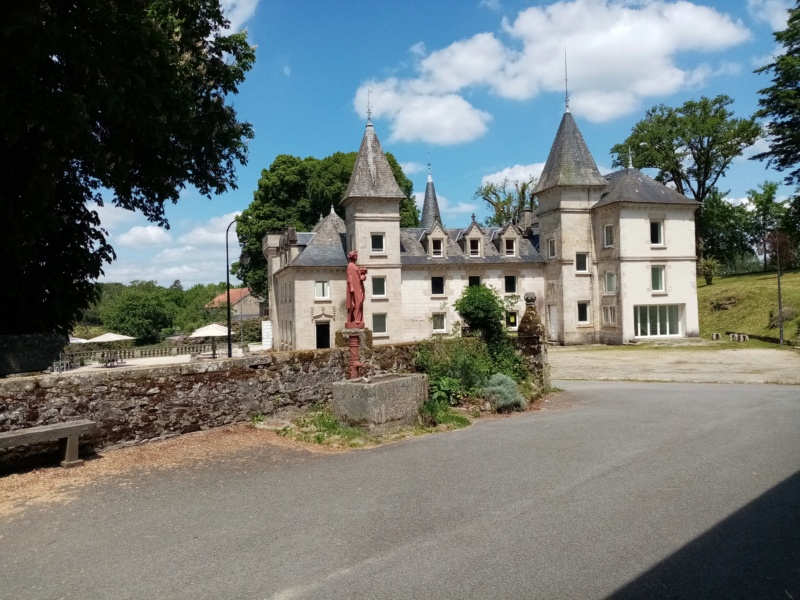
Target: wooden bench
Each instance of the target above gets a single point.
(66, 434)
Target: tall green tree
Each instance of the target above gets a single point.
(141, 311)
(692, 146)
(780, 102)
(725, 229)
(507, 200)
(766, 215)
(297, 192)
(119, 99)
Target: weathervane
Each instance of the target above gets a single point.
(566, 82)
(369, 105)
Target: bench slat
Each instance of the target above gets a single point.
(42, 433)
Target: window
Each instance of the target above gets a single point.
(657, 279)
(474, 247)
(608, 236)
(439, 321)
(511, 319)
(583, 312)
(649, 321)
(379, 323)
(582, 262)
(657, 232)
(511, 284)
(379, 286)
(377, 242)
(322, 290)
(609, 315)
(611, 282)
(511, 248)
(437, 286)
(474, 280)
(437, 247)
(551, 248)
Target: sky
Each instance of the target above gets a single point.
(476, 88)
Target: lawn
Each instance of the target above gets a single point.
(742, 304)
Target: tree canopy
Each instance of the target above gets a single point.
(766, 215)
(297, 192)
(724, 228)
(780, 102)
(692, 146)
(120, 99)
(507, 200)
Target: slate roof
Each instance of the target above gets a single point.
(412, 252)
(372, 176)
(326, 246)
(569, 161)
(631, 185)
(430, 206)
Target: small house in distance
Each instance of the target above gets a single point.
(244, 305)
(611, 259)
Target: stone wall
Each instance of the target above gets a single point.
(135, 405)
(29, 353)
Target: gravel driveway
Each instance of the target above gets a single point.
(677, 364)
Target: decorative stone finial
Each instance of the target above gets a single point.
(530, 298)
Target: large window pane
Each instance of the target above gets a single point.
(662, 320)
(674, 319)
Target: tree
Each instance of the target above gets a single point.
(766, 215)
(507, 200)
(124, 96)
(724, 228)
(780, 102)
(141, 312)
(297, 192)
(194, 313)
(691, 146)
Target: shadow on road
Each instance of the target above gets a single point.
(754, 553)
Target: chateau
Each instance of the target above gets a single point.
(611, 259)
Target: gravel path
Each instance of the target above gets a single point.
(685, 365)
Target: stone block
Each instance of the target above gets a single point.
(383, 404)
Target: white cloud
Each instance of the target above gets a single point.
(418, 49)
(112, 216)
(142, 237)
(212, 232)
(238, 12)
(409, 168)
(516, 173)
(490, 4)
(636, 44)
(774, 12)
(171, 254)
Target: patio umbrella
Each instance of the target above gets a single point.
(110, 337)
(213, 331)
(76, 340)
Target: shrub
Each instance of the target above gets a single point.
(708, 268)
(788, 312)
(447, 389)
(466, 360)
(502, 392)
(437, 412)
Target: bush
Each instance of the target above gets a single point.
(437, 412)
(788, 312)
(502, 392)
(466, 360)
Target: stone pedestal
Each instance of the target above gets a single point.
(354, 338)
(532, 343)
(383, 404)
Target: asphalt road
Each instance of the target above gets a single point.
(633, 491)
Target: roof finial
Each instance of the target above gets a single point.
(630, 158)
(332, 211)
(473, 217)
(369, 106)
(566, 83)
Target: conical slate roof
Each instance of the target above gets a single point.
(631, 185)
(430, 206)
(372, 176)
(327, 247)
(569, 161)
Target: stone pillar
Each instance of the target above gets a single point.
(532, 343)
(354, 339)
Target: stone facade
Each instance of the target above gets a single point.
(132, 406)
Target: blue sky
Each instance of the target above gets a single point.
(474, 86)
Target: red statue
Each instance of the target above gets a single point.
(355, 292)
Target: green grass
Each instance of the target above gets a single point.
(750, 298)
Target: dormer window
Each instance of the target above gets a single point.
(475, 248)
(437, 248)
(511, 247)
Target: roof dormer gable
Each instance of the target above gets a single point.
(472, 240)
(507, 240)
(435, 241)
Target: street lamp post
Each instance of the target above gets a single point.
(228, 286)
(243, 259)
